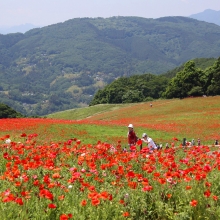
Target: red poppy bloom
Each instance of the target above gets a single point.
(52, 206)
(122, 202)
(126, 214)
(169, 196)
(208, 184)
(95, 202)
(83, 203)
(207, 193)
(215, 197)
(19, 201)
(66, 217)
(61, 197)
(194, 203)
(188, 187)
(132, 185)
(23, 135)
(147, 188)
(78, 141)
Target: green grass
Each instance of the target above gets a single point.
(81, 113)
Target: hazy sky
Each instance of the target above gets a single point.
(46, 12)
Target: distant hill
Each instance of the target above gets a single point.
(17, 29)
(208, 15)
(61, 66)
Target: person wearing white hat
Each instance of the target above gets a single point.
(149, 142)
(132, 138)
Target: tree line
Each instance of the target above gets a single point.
(190, 81)
(7, 112)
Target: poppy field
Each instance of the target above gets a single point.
(79, 168)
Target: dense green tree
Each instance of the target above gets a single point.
(132, 96)
(137, 88)
(7, 112)
(185, 81)
(214, 75)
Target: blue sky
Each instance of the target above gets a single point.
(46, 12)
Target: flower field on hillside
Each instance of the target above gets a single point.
(190, 118)
(78, 169)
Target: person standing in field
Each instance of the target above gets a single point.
(199, 142)
(132, 137)
(149, 141)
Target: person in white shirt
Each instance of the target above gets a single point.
(149, 142)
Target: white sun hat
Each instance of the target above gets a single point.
(130, 126)
(144, 135)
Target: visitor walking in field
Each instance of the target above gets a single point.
(132, 137)
(149, 141)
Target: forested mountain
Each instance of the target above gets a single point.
(61, 66)
(201, 63)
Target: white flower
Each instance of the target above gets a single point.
(8, 141)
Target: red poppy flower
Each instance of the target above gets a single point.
(126, 214)
(122, 202)
(207, 193)
(188, 187)
(132, 185)
(23, 135)
(52, 206)
(83, 203)
(194, 203)
(215, 197)
(78, 141)
(147, 188)
(169, 195)
(19, 201)
(95, 202)
(66, 217)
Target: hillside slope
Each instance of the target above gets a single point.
(188, 117)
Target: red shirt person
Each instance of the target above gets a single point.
(132, 138)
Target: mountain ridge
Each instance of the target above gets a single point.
(61, 66)
(208, 15)
(17, 28)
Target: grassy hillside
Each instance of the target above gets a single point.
(189, 118)
(82, 113)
